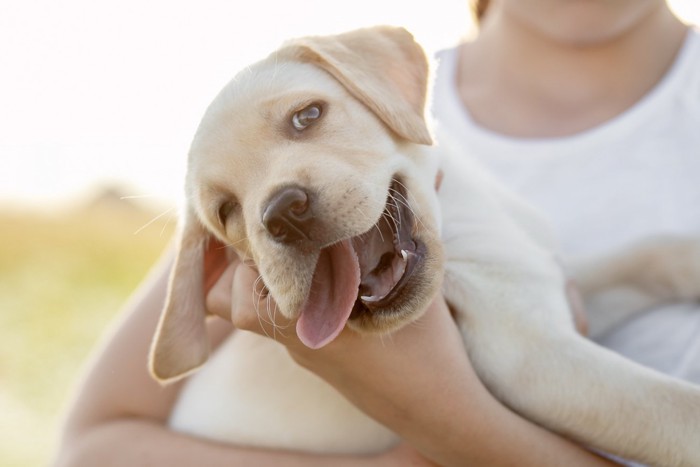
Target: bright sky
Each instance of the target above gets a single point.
(94, 92)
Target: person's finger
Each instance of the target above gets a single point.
(218, 298)
(216, 260)
(253, 309)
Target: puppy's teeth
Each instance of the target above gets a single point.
(405, 254)
(373, 298)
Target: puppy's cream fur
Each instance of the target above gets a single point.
(501, 274)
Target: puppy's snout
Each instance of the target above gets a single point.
(288, 216)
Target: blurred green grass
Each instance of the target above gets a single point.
(63, 277)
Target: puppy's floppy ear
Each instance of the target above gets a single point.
(181, 343)
(383, 67)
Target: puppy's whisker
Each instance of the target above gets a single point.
(257, 298)
(396, 199)
(362, 213)
(137, 197)
(256, 308)
(397, 222)
(410, 206)
(363, 237)
(392, 201)
(271, 314)
(381, 235)
(390, 219)
(407, 198)
(233, 244)
(419, 219)
(402, 185)
(410, 202)
(171, 218)
(401, 199)
(140, 229)
(271, 317)
(397, 204)
(279, 328)
(375, 226)
(270, 310)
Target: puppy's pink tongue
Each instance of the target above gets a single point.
(333, 293)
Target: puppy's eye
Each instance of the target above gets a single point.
(225, 210)
(306, 116)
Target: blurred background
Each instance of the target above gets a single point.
(98, 103)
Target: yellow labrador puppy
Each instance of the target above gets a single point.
(317, 165)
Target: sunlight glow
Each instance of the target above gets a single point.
(96, 92)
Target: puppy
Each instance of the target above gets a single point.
(317, 165)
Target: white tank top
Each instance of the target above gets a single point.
(635, 176)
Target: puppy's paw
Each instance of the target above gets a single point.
(672, 267)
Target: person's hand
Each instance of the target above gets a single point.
(418, 381)
(236, 294)
(385, 376)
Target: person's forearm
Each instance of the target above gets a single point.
(434, 424)
(418, 381)
(135, 443)
(449, 415)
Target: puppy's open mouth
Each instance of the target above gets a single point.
(387, 254)
(369, 274)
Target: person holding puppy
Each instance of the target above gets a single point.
(537, 84)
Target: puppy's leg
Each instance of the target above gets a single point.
(646, 275)
(572, 386)
(521, 340)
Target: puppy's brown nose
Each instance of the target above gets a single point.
(288, 216)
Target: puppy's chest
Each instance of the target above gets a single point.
(252, 393)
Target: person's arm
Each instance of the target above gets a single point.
(119, 415)
(418, 382)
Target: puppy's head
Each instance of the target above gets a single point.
(313, 165)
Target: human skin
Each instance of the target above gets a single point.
(552, 68)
